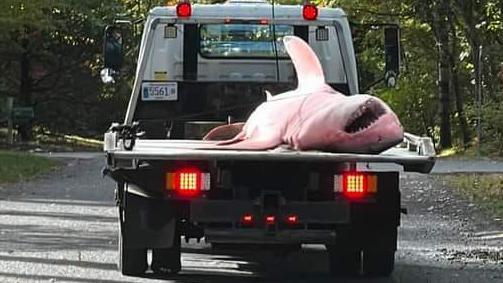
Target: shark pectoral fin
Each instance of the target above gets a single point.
(252, 144)
(224, 132)
(307, 65)
(258, 141)
(239, 137)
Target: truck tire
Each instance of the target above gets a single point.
(167, 260)
(378, 263)
(344, 263)
(379, 256)
(131, 261)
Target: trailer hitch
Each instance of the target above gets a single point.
(127, 133)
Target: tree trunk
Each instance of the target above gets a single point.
(465, 132)
(442, 34)
(469, 11)
(25, 99)
(444, 94)
(454, 84)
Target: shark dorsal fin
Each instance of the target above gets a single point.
(268, 95)
(306, 63)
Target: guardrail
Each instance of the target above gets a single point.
(421, 145)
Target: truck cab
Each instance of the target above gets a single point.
(201, 66)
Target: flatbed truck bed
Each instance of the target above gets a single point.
(414, 154)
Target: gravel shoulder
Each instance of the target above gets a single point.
(62, 228)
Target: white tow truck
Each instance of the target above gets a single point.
(201, 66)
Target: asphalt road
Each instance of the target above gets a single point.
(62, 228)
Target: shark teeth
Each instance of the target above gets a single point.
(364, 116)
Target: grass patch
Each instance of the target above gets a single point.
(18, 166)
(485, 189)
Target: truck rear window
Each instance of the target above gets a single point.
(242, 40)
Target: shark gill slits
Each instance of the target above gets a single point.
(365, 116)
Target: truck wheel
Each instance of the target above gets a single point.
(131, 261)
(344, 263)
(167, 260)
(378, 263)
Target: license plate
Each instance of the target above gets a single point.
(165, 91)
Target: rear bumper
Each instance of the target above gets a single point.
(222, 221)
(231, 212)
(263, 236)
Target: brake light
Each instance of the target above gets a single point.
(188, 181)
(357, 184)
(310, 12)
(183, 9)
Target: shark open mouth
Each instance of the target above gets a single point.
(366, 115)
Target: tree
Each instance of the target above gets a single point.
(50, 49)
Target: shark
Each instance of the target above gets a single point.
(313, 116)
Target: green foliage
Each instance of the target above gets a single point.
(16, 166)
(58, 44)
(492, 124)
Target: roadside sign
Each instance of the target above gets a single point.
(4, 113)
(22, 114)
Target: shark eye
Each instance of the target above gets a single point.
(364, 116)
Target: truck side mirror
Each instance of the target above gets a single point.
(112, 52)
(392, 55)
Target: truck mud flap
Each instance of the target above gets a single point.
(148, 223)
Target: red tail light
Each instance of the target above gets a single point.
(183, 9)
(188, 181)
(247, 219)
(270, 219)
(292, 219)
(355, 185)
(310, 12)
